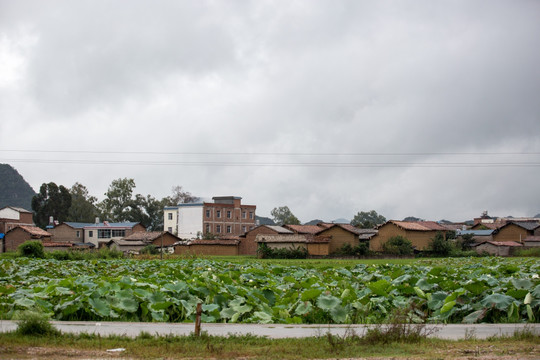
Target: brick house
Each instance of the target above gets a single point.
(19, 234)
(497, 248)
(97, 234)
(207, 247)
(138, 240)
(248, 245)
(344, 234)
(516, 231)
(314, 245)
(11, 217)
(419, 233)
(225, 216)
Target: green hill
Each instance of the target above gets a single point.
(14, 190)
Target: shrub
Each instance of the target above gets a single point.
(150, 250)
(35, 324)
(358, 250)
(529, 252)
(440, 245)
(265, 252)
(398, 245)
(33, 249)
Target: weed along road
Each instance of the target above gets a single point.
(275, 331)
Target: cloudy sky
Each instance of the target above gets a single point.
(420, 108)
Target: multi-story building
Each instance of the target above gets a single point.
(11, 217)
(225, 216)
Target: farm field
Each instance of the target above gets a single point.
(451, 290)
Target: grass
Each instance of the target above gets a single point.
(146, 345)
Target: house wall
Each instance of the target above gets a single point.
(10, 218)
(17, 236)
(225, 250)
(340, 237)
(239, 219)
(91, 234)
(170, 225)
(511, 232)
(126, 248)
(67, 234)
(493, 250)
(532, 243)
(248, 246)
(286, 245)
(318, 249)
(190, 221)
(419, 239)
(168, 240)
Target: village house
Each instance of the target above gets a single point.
(497, 248)
(97, 234)
(135, 242)
(200, 247)
(419, 233)
(22, 233)
(225, 216)
(11, 217)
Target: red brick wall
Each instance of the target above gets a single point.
(64, 233)
(168, 239)
(248, 246)
(16, 237)
(229, 215)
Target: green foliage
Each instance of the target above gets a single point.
(449, 290)
(14, 190)
(32, 249)
(283, 216)
(465, 242)
(83, 208)
(361, 249)
(265, 252)
(35, 324)
(150, 249)
(529, 252)
(52, 200)
(368, 220)
(398, 245)
(440, 245)
(103, 253)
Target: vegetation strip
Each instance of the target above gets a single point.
(451, 291)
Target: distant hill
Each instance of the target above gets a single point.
(261, 220)
(313, 222)
(412, 218)
(537, 215)
(14, 190)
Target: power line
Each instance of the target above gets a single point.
(271, 153)
(279, 164)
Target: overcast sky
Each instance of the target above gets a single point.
(419, 108)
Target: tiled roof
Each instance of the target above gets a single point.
(476, 232)
(147, 236)
(229, 237)
(57, 244)
(291, 238)
(418, 225)
(501, 243)
(214, 242)
(305, 229)
(123, 242)
(34, 230)
(532, 239)
(78, 225)
(527, 225)
(279, 229)
(128, 225)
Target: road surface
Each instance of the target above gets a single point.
(273, 331)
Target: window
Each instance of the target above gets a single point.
(251, 214)
(169, 229)
(228, 214)
(118, 233)
(207, 213)
(90, 233)
(229, 229)
(170, 216)
(244, 228)
(207, 228)
(218, 229)
(218, 213)
(104, 233)
(78, 233)
(243, 214)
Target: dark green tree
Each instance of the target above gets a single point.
(283, 216)
(83, 208)
(398, 245)
(118, 202)
(367, 220)
(52, 200)
(440, 245)
(179, 196)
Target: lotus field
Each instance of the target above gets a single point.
(441, 291)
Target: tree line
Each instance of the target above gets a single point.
(119, 205)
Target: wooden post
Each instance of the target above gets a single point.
(198, 320)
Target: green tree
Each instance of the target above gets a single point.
(283, 216)
(52, 200)
(367, 220)
(440, 245)
(179, 196)
(117, 205)
(83, 208)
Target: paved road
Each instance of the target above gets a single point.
(275, 331)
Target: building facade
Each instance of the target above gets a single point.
(225, 216)
(11, 217)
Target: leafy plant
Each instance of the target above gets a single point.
(398, 245)
(33, 249)
(35, 324)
